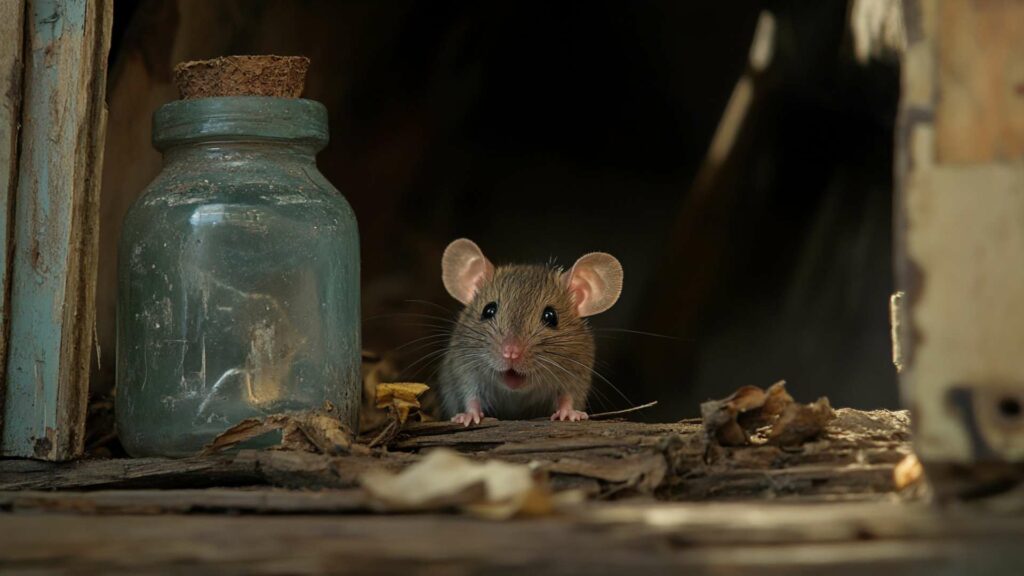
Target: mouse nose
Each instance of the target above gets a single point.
(511, 350)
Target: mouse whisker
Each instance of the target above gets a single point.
(412, 315)
(443, 327)
(431, 337)
(429, 303)
(426, 346)
(435, 354)
(594, 372)
(641, 333)
(550, 373)
(551, 362)
(547, 361)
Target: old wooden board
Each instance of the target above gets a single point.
(55, 227)
(12, 18)
(210, 500)
(959, 220)
(855, 457)
(663, 538)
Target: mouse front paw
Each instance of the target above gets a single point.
(468, 417)
(569, 414)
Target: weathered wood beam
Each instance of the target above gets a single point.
(55, 224)
(211, 500)
(854, 458)
(960, 240)
(12, 25)
(662, 538)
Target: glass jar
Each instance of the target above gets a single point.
(238, 277)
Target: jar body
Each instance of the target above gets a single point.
(239, 296)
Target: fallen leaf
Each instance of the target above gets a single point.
(402, 397)
(245, 430)
(801, 422)
(399, 399)
(444, 479)
(312, 431)
(721, 416)
(375, 369)
(755, 416)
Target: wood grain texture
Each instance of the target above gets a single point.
(178, 501)
(980, 78)
(54, 261)
(12, 23)
(325, 526)
(960, 223)
(659, 538)
(853, 459)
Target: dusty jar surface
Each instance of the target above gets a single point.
(238, 277)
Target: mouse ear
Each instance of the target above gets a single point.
(464, 268)
(595, 282)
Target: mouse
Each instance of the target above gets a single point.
(521, 347)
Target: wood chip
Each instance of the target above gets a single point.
(317, 431)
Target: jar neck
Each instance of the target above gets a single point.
(229, 153)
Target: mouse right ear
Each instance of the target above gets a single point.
(464, 268)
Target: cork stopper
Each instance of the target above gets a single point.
(277, 76)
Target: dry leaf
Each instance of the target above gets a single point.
(401, 397)
(375, 369)
(752, 415)
(801, 422)
(312, 431)
(245, 430)
(444, 479)
(721, 416)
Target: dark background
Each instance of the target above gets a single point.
(550, 129)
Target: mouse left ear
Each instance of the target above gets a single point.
(595, 283)
(464, 268)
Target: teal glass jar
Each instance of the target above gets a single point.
(238, 277)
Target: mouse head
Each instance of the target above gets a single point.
(527, 323)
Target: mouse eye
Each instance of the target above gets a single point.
(489, 311)
(549, 317)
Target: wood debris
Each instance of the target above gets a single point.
(854, 458)
(752, 416)
(318, 431)
(444, 480)
(908, 472)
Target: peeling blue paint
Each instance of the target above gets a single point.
(53, 118)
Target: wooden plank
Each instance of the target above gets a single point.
(959, 235)
(54, 262)
(278, 468)
(745, 538)
(979, 112)
(213, 500)
(855, 458)
(12, 24)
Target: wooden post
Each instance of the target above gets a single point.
(960, 240)
(12, 21)
(54, 227)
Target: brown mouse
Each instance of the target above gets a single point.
(522, 347)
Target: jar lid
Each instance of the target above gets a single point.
(235, 118)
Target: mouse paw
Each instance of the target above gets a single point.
(468, 417)
(569, 414)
